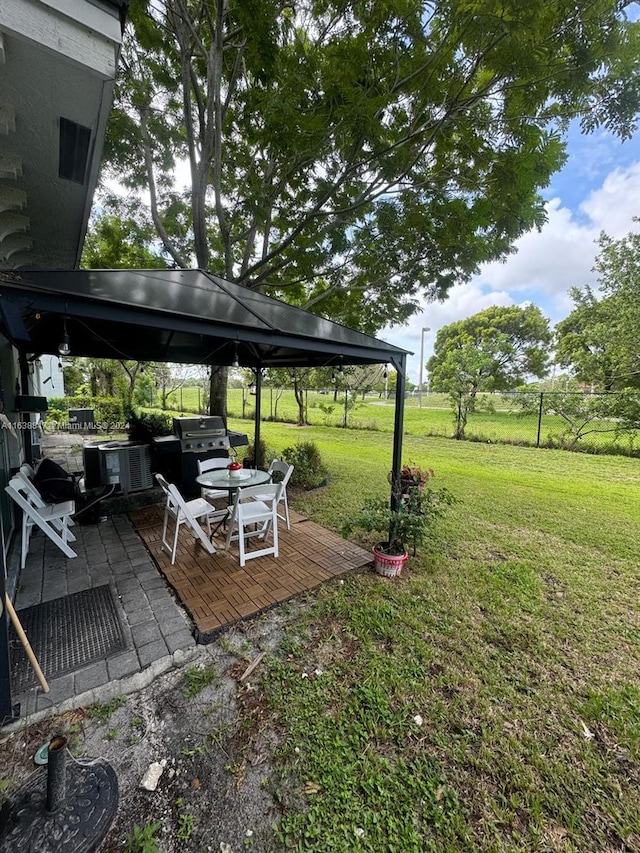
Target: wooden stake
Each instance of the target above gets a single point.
(27, 645)
(252, 666)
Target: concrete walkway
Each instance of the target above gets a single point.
(157, 630)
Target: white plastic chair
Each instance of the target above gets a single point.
(52, 519)
(277, 466)
(259, 515)
(61, 517)
(188, 513)
(211, 465)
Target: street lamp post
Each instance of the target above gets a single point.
(425, 329)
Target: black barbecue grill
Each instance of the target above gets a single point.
(197, 438)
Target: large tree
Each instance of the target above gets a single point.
(494, 350)
(600, 339)
(355, 158)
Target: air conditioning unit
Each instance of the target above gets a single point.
(126, 464)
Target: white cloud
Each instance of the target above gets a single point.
(463, 301)
(612, 207)
(546, 265)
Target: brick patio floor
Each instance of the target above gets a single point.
(216, 591)
(124, 551)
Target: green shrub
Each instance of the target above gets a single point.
(266, 454)
(108, 410)
(148, 425)
(309, 470)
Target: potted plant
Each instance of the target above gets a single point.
(250, 460)
(413, 476)
(405, 521)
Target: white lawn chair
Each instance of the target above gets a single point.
(186, 513)
(210, 465)
(52, 519)
(278, 467)
(64, 509)
(259, 515)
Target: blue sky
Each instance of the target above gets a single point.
(597, 190)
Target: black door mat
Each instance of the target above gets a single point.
(66, 634)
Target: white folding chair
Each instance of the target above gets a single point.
(62, 517)
(286, 470)
(28, 470)
(52, 519)
(211, 465)
(186, 513)
(259, 515)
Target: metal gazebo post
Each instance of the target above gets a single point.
(256, 435)
(400, 364)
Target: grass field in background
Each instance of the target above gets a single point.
(488, 699)
(502, 425)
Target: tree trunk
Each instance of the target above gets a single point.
(218, 392)
(299, 395)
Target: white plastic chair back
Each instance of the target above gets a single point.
(253, 517)
(279, 467)
(52, 519)
(185, 513)
(211, 465)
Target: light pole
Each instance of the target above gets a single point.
(425, 329)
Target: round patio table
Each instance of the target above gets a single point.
(219, 478)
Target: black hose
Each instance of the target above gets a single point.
(95, 501)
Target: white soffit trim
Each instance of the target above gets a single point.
(52, 29)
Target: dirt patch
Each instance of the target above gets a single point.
(208, 728)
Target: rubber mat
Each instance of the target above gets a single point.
(66, 634)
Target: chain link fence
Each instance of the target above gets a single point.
(586, 422)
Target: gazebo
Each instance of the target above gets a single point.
(182, 316)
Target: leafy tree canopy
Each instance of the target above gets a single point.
(493, 350)
(355, 158)
(600, 339)
(120, 242)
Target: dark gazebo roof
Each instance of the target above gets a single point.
(187, 316)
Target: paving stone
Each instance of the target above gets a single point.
(180, 639)
(77, 584)
(158, 594)
(142, 564)
(139, 615)
(27, 702)
(90, 677)
(146, 632)
(129, 585)
(125, 573)
(172, 626)
(155, 582)
(152, 652)
(53, 591)
(61, 689)
(28, 598)
(122, 665)
(167, 608)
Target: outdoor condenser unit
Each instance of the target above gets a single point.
(125, 464)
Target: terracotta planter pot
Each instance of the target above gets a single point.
(388, 565)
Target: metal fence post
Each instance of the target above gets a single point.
(539, 419)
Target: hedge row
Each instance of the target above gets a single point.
(106, 410)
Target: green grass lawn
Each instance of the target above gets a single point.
(489, 698)
(501, 424)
